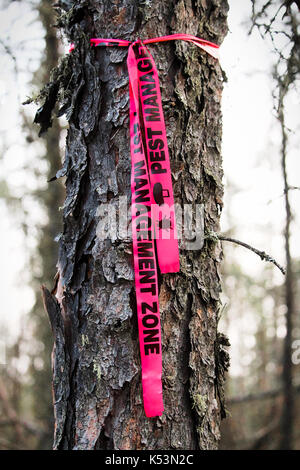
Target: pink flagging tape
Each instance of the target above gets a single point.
(154, 231)
(163, 213)
(144, 255)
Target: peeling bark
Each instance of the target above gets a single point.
(102, 405)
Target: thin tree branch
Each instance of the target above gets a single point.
(289, 188)
(263, 256)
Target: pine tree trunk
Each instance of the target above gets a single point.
(97, 379)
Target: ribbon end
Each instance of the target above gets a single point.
(155, 412)
(153, 397)
(213, 51)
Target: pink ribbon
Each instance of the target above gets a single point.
(152, 206)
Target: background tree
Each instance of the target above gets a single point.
(286, 72)
(44, 258)
(26, 392)
(264, 398)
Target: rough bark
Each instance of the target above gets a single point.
(100, 405)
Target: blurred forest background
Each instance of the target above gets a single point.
(260, 313)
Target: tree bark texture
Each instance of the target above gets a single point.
(97, 378)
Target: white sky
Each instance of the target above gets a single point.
(251, 140)
(22, 33)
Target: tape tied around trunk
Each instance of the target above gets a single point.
(154, 233)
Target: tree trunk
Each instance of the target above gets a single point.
(97, 379)
(288, 408)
